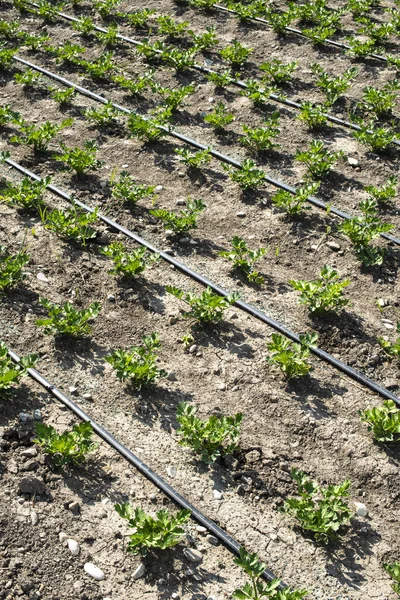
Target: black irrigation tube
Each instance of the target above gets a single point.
(313, 200)
(247, 308)
(297, 31)
(236, 82)
(229, 542)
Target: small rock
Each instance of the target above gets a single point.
(29, 452)
(159, 188)
(74, 507)
(211, 539)
(201, 529)
(25, 417)
(37, 414)
(111, 298)
(139, 571)
(217, 495)
(73, 547)
(388, 326)
(169, 233)
(241, 214)
(93, 571)
(72, 389)
(193, 348)
(171, 376)
(222, 386)
(333, 246)
(252, 457)
(361, 509)
(353, 162)
(87, 396)
(171, 471)
(34, 518)
(181, 202)
(42, 277)
(62, 537)
(193, 555)
(32, 485)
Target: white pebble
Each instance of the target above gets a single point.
(171, 471)
(42, 277)
(73, 547)
(139, 571)
(353, 162)
(193, 555)
(34, 518)
(217, 495)
(94, 571)
(159, 188)
(361, 509)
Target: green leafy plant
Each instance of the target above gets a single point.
(85, 26)
(101, 68)
(71, 223)
(9, 30)
(28, 78)
(333, 87)
(11, 373)
(295, 204)
(377, 138)
(105, 8)
(6, 58)
(180, 60)
(7, 115)
(68, 448)
(138, 18)
(147, 128)
(278, 71)
(236, 54)
(361, 230)
(208, 307)
(35, 42)
(204, 41)
(164, 531)
(256, 589)
(47, 10)
(68, 53)
(210, 438)
(318, 159)
(361, 48)
(11, 268)
(79, 159)
(138, 363)
(291, 357)
(360, 7)
(244, 259)
(314, 115)
(248, 176)
(135, 87)
(130, 264)
(128, 190)
(383, 421)
(185, 220)
(102, 117)
(380, 102)
(384, 194)
(28, 194)
(259, 93)
(220, 117)
(193, 160)
(66, 320)
(321, 510)
(61, 96)
(324, 294)
(393, 349)
(221, 80)
(379, 33)
(261, 139)
(279, 20)
(171, 28)
(110, 37)
(172, 99)
(39, 137)
(319, 35)
(393, 569)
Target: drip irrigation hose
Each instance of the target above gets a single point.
(229, 542)
(247, 308)
(236, 82)
(313, 200)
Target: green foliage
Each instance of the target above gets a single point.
(193, 160)
(7, 115)
(383, 421)
(279, 20)
(130, 264)
(71, 223)
(393, 349)
(138, 18)
(203, 4)
(333, 87)
(319, 35)
(236, 54)
(102, 117)
(256, 589)
(35, 42)
(208, 307)
(393, 569)
(244, 259)
(47, 10)
(204, 41)
(278, 71)
(314, 115)
(210, 438)
(163, 531)
(259, 94)
(248, 176)
(79, 159)
(85, 26)
(172, 99)
(295, 204)
(110, 37)
(171, 28)
(385, 193)
(105, 8)
(68, 53)
(247, 11)
(66, 320)
(10, 372)
(127, 190)
(360, 48)
(324, 294)
(260, 139)
(318, 159)
(138, 364)
(362, 229)
(135, 87)
(291, 357)
(379, 33)
(6, 58)
(185, 220)
(321, 510)
(101, 68)
(360, 7)
(220, 117)
(62, 96)
(180, 60)
(221, 80)
(380, 102)
(10, 30)
(11, 268)
(376, 138)
(39, 137)
(28, 194)
(27, 78)
(147, 128)
(70, 447)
